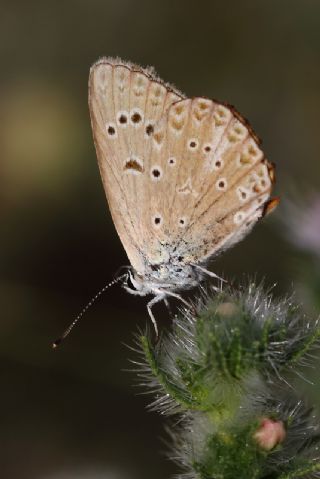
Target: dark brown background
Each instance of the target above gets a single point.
(74, 413)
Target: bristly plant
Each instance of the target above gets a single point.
(223, 369)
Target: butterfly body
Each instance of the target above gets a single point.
(184, 178)
(165, 277)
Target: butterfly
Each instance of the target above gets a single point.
(185, 178)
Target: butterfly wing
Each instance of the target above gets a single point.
(211, 182)
(126, 102)
(179, 174)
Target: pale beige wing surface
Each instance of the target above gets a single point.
(210, 181)
(126, 102)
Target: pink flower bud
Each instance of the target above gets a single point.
(270, 433)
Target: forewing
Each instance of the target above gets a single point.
(214, 181)
(126, 102)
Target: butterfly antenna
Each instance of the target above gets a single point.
(58, 341)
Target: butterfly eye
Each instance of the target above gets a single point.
(130, 284)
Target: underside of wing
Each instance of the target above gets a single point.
(126, 102)
(211, 182)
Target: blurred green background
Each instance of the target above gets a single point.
(74, 413)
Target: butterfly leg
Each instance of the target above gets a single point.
(151, 303)
(175, 295)
(211, 274)
(190, 306)
(166, 302)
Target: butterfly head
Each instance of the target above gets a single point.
(135, 284)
